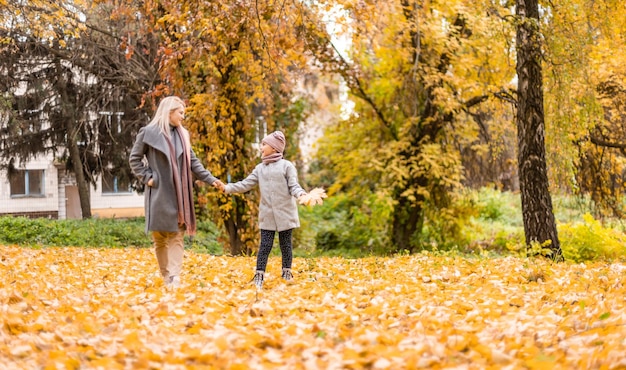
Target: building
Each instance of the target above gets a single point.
(43, 188)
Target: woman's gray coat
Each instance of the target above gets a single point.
(279, 187)
(160, 199)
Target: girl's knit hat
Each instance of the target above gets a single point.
(276, 140)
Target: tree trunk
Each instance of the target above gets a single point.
(234, 227)
(408, 219)
(77, 167)
(73, 135)
(234, 243)
(537, 213)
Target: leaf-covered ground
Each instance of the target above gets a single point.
(107, 308)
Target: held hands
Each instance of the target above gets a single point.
(314, 197)
(219, 185)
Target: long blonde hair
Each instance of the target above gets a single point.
(162, 116)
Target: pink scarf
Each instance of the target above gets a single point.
(183, 182)
(272, 158)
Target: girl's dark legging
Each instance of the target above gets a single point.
(267, 241)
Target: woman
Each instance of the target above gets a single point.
(167, 173)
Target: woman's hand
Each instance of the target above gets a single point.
(220, 185)
(150, 182)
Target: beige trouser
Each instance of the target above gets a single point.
(169, 248)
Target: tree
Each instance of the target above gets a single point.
(412, 72)
(64, 83)
(237, 65)
(537, 213)
(584, 98)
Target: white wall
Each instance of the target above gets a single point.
(48, 203)
(116, 205)
(55, 180)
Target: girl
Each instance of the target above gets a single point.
(278, 182)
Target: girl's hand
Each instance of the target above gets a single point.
(314, 197)
(220, 185)
(150, 182)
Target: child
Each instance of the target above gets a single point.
(278, 181)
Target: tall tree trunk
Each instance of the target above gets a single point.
(537, 213)
(73, 135)
(77, 167)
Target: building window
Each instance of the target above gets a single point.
(114, 185)
(26, 183)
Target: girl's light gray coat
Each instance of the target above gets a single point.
(278, 182)
(160, 199)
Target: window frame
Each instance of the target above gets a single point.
(116, 190)
(25, 175)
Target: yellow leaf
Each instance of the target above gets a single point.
(314, 197)
(132, 341)
(221, 343)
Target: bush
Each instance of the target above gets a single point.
(88, 233)
(445, 227)
(206, 239)
(497, 206)
(94, 233)
(497, 223)
(343, 223)
(326, 240)
(589, 240)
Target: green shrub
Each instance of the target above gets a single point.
(496, 224)
(88, 233)
(495, 205)
(444, 228)
(326, 240)
(93, 233)
(589, 240)
(206, 239)
(510, 241)
(344, 223)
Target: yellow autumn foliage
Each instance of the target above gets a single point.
(69, 308)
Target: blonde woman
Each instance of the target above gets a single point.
(162, 159)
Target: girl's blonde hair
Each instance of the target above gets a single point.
(162, 115)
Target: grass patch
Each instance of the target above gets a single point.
(112, 233)
(97, 232)
(339, 229)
